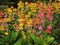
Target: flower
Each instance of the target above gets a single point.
(49, 27)
(7, 19)
(56, 6)
(17, 28)
(1, 27)
(41, 15)
(6, 33)
(37, 20)
(21, 20)
(29, 13)
(23, 16)
(20, 5)
(21, 28)
(26, 3)
(50, 18)
(21, 24)
(9, 10)
(40, 5)
(27, 16)
(1, 20)
(48, 31)
(40, 28)
(1, 13)
(29, 22)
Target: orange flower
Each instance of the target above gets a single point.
(37, 20)
(17, 28)
(1, 20)
(1, 13)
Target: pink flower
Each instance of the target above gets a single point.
(49, 27)
(41, 15)
(40, 28)
(50, 18)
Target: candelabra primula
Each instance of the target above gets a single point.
(29, 18)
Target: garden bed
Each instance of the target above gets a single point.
(31, 23)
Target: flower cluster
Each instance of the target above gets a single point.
(31, 17)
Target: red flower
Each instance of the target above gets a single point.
(23, 16)
(48, 31)
(1, 13)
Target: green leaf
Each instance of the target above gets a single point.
(55, 43)
(35, 38)
(13, 35)
(1, 32)
(19, 42)
(4, 40)
(1, 42)
(50, 39)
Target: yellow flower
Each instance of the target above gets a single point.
(34, 10)
(6, 33)
(29, 22)
(20, 20)
(9, 10)
(57, 7)
(29, 13)
(21, 28)
(21, 24)
(27, 16)
(31, 5)
(7, 20)
(20, 5)
(26, 3)
(35, 5)
(1, 27)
